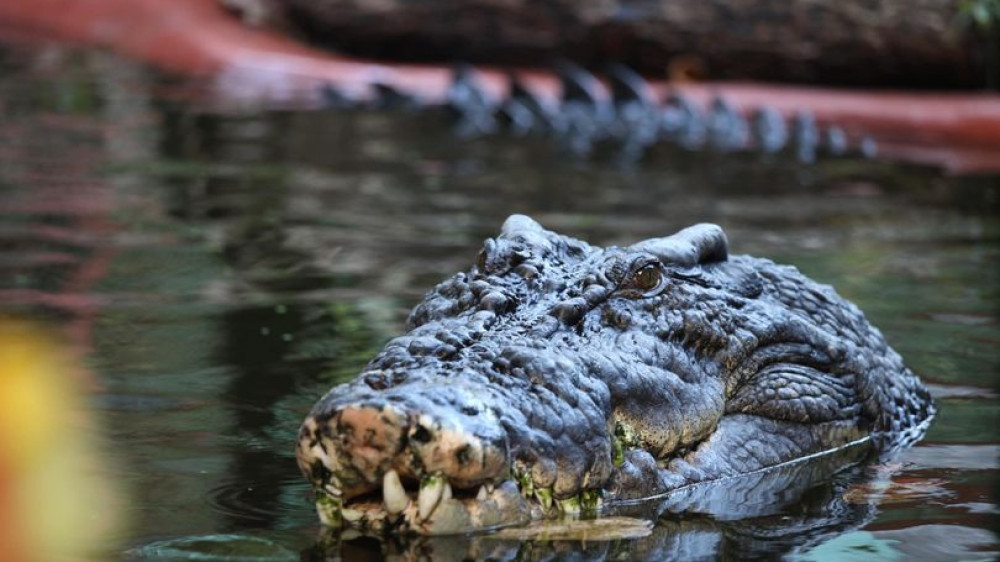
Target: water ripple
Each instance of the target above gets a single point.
(260, 502)
(216, 548)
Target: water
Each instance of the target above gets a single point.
(210, 273)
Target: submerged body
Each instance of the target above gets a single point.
(556, 377)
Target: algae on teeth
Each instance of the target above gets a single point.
(431, 480)
(569, 506)
(617, 452)
(522, 477)
(590, 500)
(544, 497)
(587, 502)
(624, 438)
(330, 509)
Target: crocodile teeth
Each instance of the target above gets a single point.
(393, 494)
(481, 495)
(431, 492)
(352, 515)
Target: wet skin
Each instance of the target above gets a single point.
(557, 377)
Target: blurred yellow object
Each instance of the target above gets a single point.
(52, 487)
(36, 395)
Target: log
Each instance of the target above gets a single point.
(959, 131)
(870, 43)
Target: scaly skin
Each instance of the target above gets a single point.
(555, 377)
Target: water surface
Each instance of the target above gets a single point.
(213, 271)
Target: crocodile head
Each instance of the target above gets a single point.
(556, 377)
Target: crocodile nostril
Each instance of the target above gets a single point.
(421, 435)
(463, 455)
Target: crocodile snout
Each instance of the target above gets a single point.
(348, 448)
(384, 455)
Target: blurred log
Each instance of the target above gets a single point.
(900, 43)
(959, 131)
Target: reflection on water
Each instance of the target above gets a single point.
(216, 271)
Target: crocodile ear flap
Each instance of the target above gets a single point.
(698, 244)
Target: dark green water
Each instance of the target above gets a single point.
(216, 271)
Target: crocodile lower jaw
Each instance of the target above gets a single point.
(435, 510)
(438, 509)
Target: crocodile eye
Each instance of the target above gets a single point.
(646, 279)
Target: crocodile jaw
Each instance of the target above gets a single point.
(434, 510)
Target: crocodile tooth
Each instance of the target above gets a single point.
(352, 515)
(482, 494)
(393, 494)
(431, 490)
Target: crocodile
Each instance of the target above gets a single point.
(622, 111)
(557, 378)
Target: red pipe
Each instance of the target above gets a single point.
(957, 131)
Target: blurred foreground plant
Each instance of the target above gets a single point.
(56, 501)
